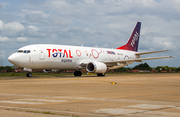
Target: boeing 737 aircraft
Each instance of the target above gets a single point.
(94, 60)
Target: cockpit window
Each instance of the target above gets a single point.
(20, 51)
(24, 51)
(28, 51)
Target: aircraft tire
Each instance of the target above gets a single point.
(28, 75)
(77, 73)
(100, 74)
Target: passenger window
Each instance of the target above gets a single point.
(24, 51)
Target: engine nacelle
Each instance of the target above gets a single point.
(96, 67)
(51, 70)
(46, 70)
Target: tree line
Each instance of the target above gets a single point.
(142, 66)
(7, 68)
(145, 66)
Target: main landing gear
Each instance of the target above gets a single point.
(100, 74)
(77, 73)
(29, 74)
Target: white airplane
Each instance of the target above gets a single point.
(94, 60)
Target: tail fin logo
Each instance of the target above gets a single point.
(135, 38)
(133, 41)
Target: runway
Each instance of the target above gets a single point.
(120, 95)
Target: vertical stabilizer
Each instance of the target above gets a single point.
(133, 41)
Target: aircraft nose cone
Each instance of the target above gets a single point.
(18, 59)
(12, 59)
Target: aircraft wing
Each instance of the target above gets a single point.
(141, 53)
(84, 63)
(136, 60)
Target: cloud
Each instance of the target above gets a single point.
(89, 1)
(22, 39)
(2, 54)
(4, 39)
(10, 30)
(163, 43)
(102, 46)
(104, 23)
(44, 15)
(14, 26)
(57, 2)
(1, 25)
(59, 22)
(33, 28)
(3, 5)
(35, 16)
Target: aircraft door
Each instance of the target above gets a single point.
(41, 53)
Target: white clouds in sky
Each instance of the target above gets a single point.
(45, 15)
(1, 25)
(102, 23)
(33, 28)
(89, 1)
(163, 43)
(14, 26)
(2, 54)
(22, 39)
(4, 39)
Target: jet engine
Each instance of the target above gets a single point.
(51, 70)
(96, 67)
(46, 70)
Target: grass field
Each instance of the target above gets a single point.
(34, 74)
(11, 74)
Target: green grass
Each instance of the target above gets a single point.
(11, 74)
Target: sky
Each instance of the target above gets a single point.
(93, 23)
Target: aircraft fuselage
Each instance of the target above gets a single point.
(46, 56)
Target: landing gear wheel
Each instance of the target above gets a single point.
(29, 74)
(77, 73)
(100, 74)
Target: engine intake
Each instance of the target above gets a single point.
(96, 67)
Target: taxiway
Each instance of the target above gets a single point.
(90, 96)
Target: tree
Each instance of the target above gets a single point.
(178, 69)
(1, 68)
(8, 68)
(122, 69)
(137, 67)
(142, 66)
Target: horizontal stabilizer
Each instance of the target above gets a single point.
(141, 53)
